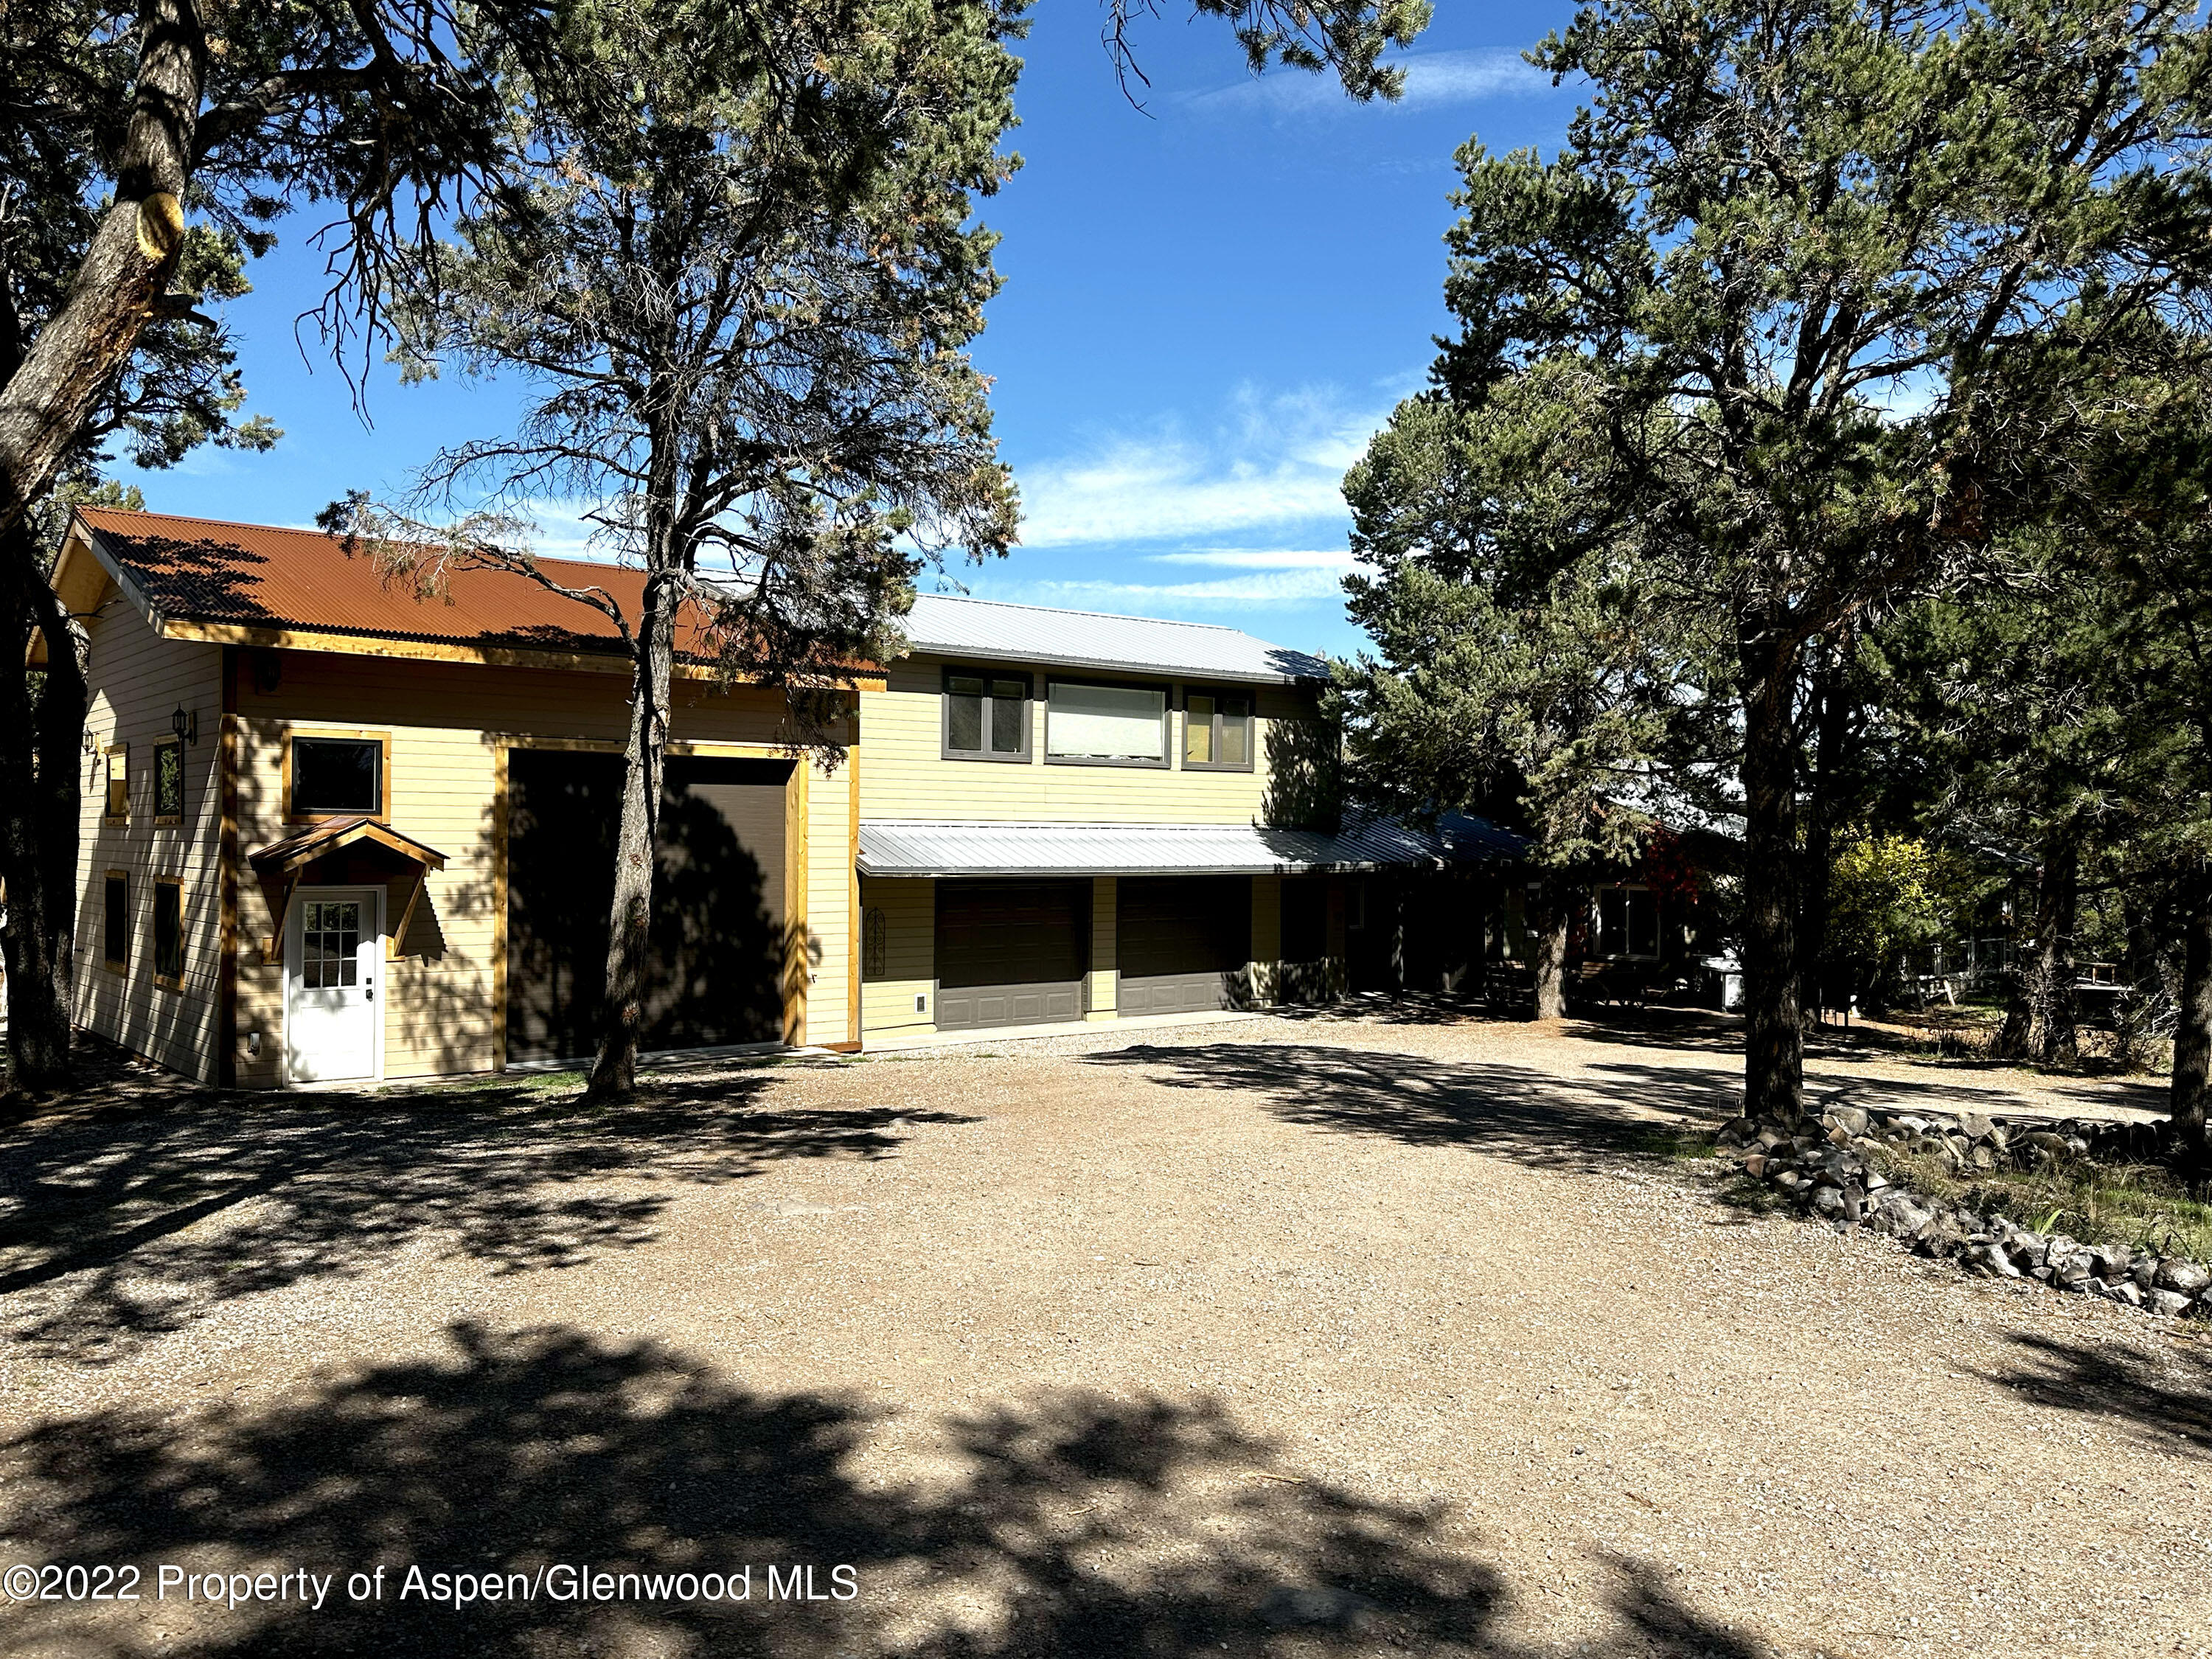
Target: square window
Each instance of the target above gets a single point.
(337, 776)
(986, 715)
(169, 781)
(1217, 730)
(115, 921)
(169, 933)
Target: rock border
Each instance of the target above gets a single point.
(1828, 1169)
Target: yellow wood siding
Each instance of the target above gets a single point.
(443, 998)
(1102, 988)
(138, 680)
(908, 910)
(905, 776)
(1266, 937)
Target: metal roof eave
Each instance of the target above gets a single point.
(956, 872)
(1107, 665)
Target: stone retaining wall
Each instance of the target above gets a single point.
(1830, 1170)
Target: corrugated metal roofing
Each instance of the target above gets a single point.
(261, 577)
(988, 629)
(908, 848)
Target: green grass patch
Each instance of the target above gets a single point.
(2143, 1206)
(1743, 1192)
(1677, 1145)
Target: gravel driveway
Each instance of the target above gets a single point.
(1343, 1335)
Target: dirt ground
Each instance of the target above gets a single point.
(1407, 1332)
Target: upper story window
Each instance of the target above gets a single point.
(1628, 922)
(115, 799)
(1217, 731)
(170, 781)
(335, 776)
(986, 714)
(1106, 725)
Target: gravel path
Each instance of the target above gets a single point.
(1318, 1337)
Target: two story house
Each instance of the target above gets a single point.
(337, 832)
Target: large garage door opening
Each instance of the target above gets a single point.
(1010, 953)
(1185, 944)
(715, 976)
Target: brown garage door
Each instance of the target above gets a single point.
(1185, 942)
(715, 975)
(1010, 953)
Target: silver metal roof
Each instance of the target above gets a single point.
(986, 629)
(906, 849)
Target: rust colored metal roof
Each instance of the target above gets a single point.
(206, 570)
(332, 835)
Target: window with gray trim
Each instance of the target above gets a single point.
(986, 714)
(1217, 731)
(1093, 723)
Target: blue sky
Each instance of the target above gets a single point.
(1209, 306)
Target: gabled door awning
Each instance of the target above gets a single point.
(279, 865)
(281, 857)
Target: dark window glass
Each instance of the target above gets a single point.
(168, 930)
(1644, 923)
(1234, 747)
(338, 775)
(987, 715)
(1007, 698)
(1305, 920)
(963, 715)
(330, 944)
(115, 920)
(169, 779)
(1628, 922)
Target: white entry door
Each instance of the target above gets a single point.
(333, 958)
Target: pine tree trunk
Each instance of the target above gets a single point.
(49, 395)
(2039, 1026)
(41, 742)
(614, 1072)
(1832, 730)
(1549, 920)
(2142, 975)
(2192, 1032)
(1774, 1029)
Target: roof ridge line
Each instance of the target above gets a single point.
(1105, 615)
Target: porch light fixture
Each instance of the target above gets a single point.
(185, 724)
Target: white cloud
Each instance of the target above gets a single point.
(1434, 80)
(1257, 558)
(1261, 588)
(1273, 462)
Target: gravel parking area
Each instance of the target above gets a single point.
(1377, 1333)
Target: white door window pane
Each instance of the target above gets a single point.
(1107, 722)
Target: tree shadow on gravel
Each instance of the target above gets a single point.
(2166, 1402)
(1068, 1524)
(130, 1214)
(1590, 1118)
(1534, 1116)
